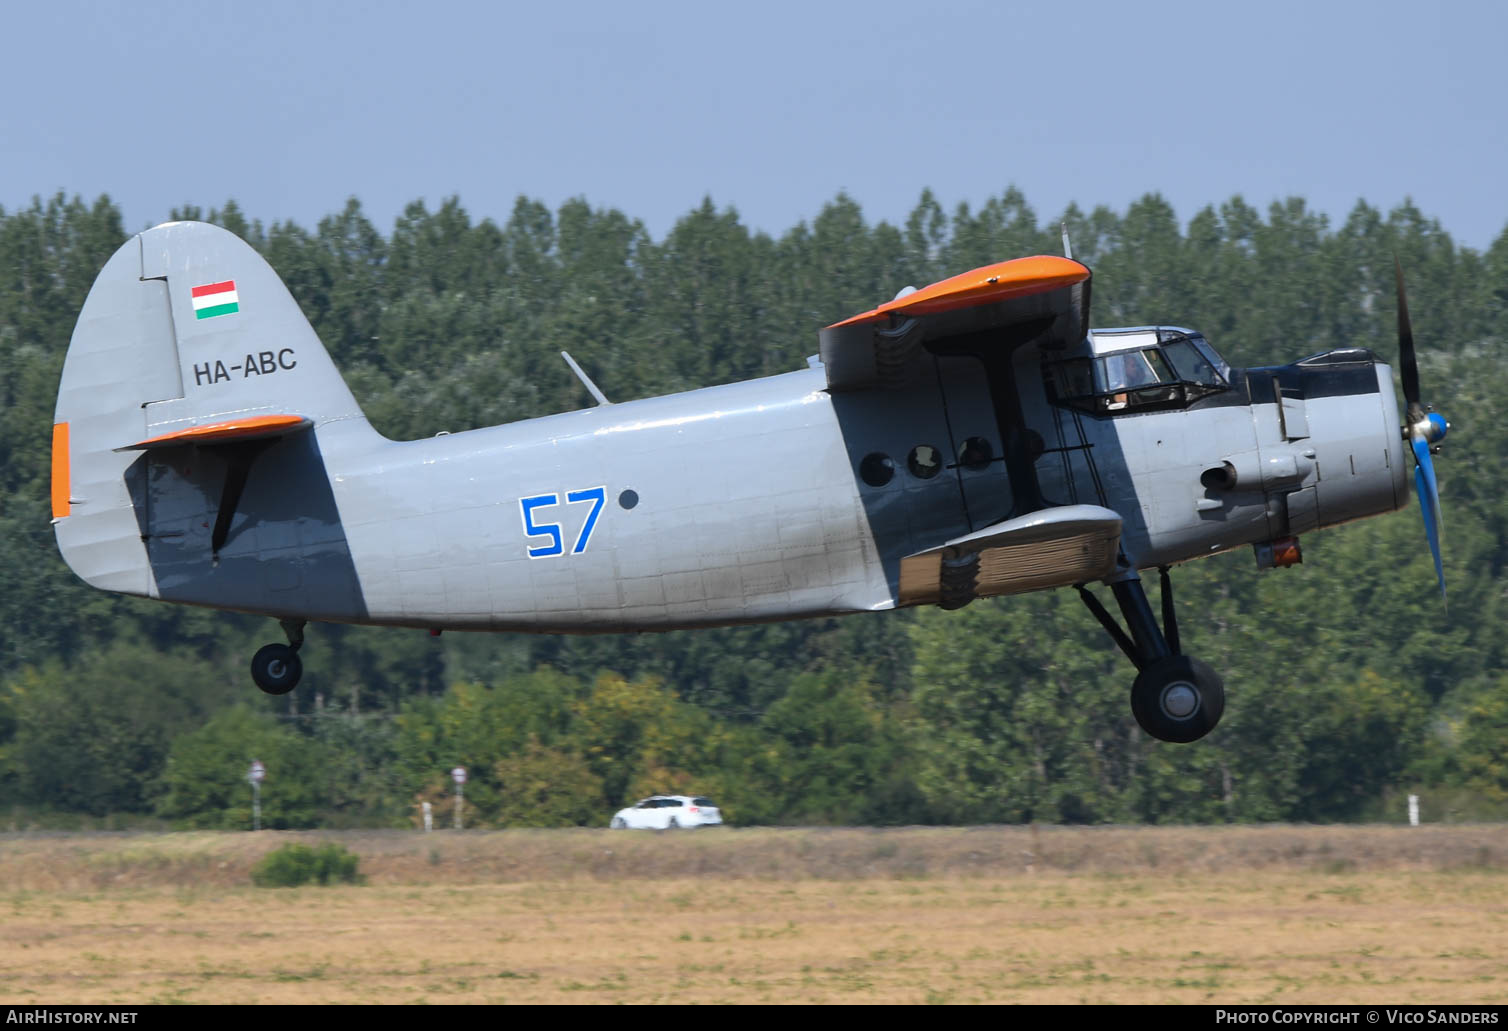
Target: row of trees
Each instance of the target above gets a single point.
(1347, 678)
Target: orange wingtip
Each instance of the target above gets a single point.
(252, 427)
(1019, 277)
(62, 484)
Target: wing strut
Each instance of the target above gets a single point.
(995, 350)
(1145, 644)
(1020, 458)
(1108, 622)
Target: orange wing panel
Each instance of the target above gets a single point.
(249, 428)
(1019, 277)
(62, 483)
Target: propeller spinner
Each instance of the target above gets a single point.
(1423, 428)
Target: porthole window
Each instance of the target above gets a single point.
(976, 453)
(925, 461)
(628, 499)
(876, 469)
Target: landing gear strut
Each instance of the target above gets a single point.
(276, 668)
(1174, 697)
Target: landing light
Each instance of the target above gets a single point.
(1278, 554)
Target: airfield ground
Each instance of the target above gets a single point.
(1150, 915)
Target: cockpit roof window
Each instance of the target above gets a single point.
(1127, 338)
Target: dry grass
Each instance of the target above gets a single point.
(94, 861)
(993, 915)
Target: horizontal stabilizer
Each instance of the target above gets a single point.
(1054, 547)
(226, 431)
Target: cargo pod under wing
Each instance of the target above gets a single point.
(1053, 547)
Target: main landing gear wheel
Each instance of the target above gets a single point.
(1174, 697)
(276, 668)
(1178, 698)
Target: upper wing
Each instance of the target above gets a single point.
(1054, 547)
(1042, 297)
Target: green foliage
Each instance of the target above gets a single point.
(94, 737)
(1022, 717)
(539, 786)
(293, 865)
(1482, 751)
(1346, 679)
(840, 757)
(204, 784)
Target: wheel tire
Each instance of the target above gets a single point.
(276, 668)
(673, 825)
(1178, 699)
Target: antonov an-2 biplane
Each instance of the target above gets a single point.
(969, 439)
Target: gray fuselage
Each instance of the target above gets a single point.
(744, 503)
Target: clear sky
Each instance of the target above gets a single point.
(769, 107)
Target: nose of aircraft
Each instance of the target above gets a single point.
(1423, 428)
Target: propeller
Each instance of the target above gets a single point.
(1423, 428)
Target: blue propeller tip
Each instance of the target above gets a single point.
(1428, 489)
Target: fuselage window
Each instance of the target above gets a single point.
(876, 469)
(976, 453)
(925, 461)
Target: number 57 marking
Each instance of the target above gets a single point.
(527, 506)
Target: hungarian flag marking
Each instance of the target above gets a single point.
(215, 299)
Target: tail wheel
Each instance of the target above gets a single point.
(276, 668)
(1178, 699)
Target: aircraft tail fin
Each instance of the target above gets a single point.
(188, 340)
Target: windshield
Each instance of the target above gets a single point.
(1195, 359)
(1190, 362)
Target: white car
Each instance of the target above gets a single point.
(668, 812)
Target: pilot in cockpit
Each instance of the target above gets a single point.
(1127, 371)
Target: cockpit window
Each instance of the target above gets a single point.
(1192, 366)
(1221, 365)
(1177, 372)
(1131, 369)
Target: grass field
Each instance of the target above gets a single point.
(1151, 915)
